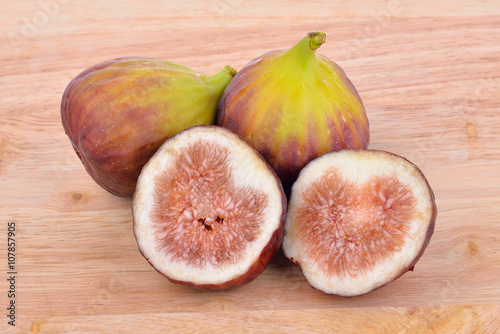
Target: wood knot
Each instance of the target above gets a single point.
(472, 248)
(76, 197)
(471, 130)
(35, 328)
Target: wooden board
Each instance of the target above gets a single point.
(428, 73)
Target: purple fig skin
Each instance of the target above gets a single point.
(427, 239)
(119, 112)
(266, 255)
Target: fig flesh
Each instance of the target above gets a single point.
(118, 113)
(293, 106)
(208, 210)
(357, 220)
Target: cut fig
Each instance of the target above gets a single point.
(208, 210)
(357, 220)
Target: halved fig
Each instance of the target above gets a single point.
(208, 210)
(357, 220)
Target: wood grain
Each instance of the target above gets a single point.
(428, 73)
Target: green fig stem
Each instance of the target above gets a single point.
(217, 82)
(316, 39)
(304, 52)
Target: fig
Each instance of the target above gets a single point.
(208, 210)
(118, 113)
(357, 220)
(293, 106)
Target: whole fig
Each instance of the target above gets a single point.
(119, 112)
(293, 106)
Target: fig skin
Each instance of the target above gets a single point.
(268, 251)
(289, 243)
(293, 106)
(118, 113)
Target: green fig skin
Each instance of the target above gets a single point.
(293, 106)
(119, 112)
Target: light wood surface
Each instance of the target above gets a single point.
(428, 73)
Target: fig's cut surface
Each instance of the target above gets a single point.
(208, 210)
(357, 220)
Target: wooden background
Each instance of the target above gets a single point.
(428, 72)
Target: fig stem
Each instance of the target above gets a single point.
(304, 52)
(316, 39)
(218, 81)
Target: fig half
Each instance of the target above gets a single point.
(357, 220)
(208, 210)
